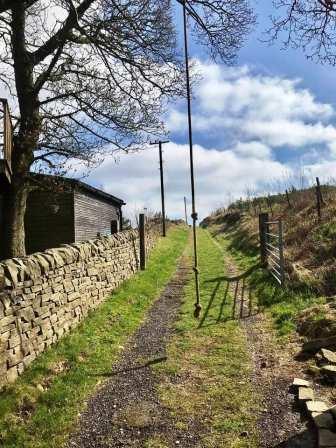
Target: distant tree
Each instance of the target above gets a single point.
(90, 76)
(307, 24)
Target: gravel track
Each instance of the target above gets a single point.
(126, 410)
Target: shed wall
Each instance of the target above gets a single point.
(92, 216)
(49, 220)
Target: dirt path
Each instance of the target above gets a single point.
(274, 367)
(126, 411)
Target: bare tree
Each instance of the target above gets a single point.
(307, 24)
(90, 76)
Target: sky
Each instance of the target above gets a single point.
(260, 126)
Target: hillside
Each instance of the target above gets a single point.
(310, 243)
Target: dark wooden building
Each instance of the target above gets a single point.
(66, 211)
(60, 210)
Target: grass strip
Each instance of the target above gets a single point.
(40, 409)
(206, 380)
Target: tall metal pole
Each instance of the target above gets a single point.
(185, 210)
(163, 210)
(198, 306)
(162, 193)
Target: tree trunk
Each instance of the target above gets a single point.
(14, 214)
(25, 141)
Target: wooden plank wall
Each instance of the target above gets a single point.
(92, 216)
(49, 220)
(2, 236)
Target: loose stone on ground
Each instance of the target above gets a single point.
(306, 393)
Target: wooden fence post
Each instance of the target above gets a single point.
(288, 200)
(318, 202)
(270, 204)
(320, 191)
(263, 219)
(142, 238)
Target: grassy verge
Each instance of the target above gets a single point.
(40, 409)
(282, 304)
(206, 380)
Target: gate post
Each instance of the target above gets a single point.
(142, 238)
(263, 219)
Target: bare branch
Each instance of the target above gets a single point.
(308, 25)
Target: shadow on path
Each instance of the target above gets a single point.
(149, 363)
(242, 296)
(302, 440)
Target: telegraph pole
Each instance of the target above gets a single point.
(163, 211)
(185, 210)
(194, 216)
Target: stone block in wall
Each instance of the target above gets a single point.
(41, 311)
(36, 288)
(14, 341)
(68, 287)
(14, 356)
(12, 374)
(6, 321)
(29, 359)
(26, 314)
(73, 296)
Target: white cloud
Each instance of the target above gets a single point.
(253, 149)
(291, 133)
(219, 175)
(274, 110)
(264, 96)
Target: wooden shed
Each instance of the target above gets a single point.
(68, 210)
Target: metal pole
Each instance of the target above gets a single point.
(198, 306)
(162, 192)
(185, 210)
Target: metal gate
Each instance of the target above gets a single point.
(271, 243)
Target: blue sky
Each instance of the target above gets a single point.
(257, 125)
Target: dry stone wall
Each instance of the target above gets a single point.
(44, 295)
